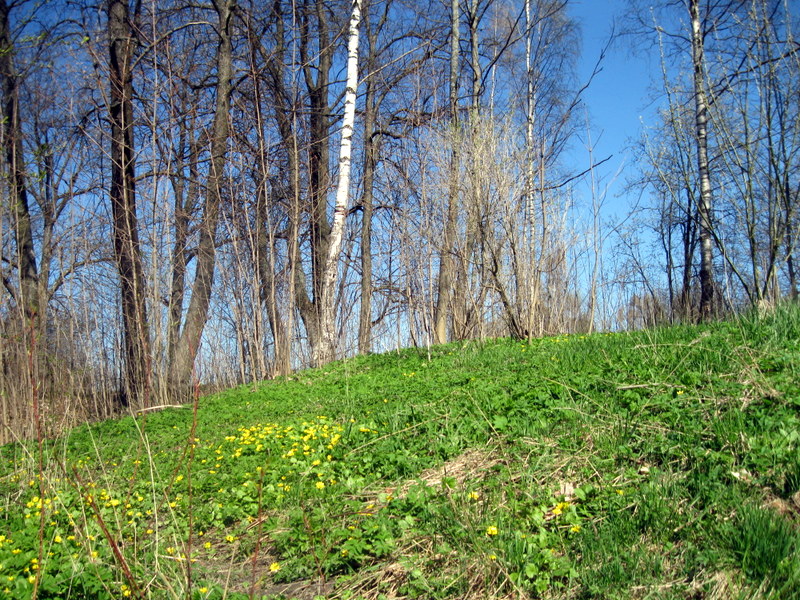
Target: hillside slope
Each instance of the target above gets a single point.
(655, 464)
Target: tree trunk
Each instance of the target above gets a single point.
(28, 291)
(325, 349)
(285, 120)
(136, 387)
(371, 146)
(465, 309)
(689, 241)
(265, 268)
(789, 237)
(186, 197)
(530, 205)
(446, 266)
(317, 78)
(186, 352)
(704, 208)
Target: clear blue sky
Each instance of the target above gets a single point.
(619, 98)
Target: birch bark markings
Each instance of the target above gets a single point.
(530, 116)
(324, 351)
(701, 138)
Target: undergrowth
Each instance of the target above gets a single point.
(654, 464)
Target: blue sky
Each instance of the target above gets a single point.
(619, 99)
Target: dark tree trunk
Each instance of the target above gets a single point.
(689, 240)
(371, 150)
(444, 287)
(371, 145)
(186, 196)
(180, 376)
(28, 291)
(265, 268)
(317, 80)
(136, 386)
(284, 115)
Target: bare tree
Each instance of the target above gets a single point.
(744, 64)
(371, 151)
(121, 42)
(325, 350)
(704, 208)
(197, 313)
(27, 293)
(446, 264)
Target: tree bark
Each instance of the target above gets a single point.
(466, 311)
(530, 204)
(446, 266)
(371, 149)
(316, 75)
(285, 120)
(186, 195)
(325, 349)
(28, 291)
(704, 208)
(188, 345)
(136, 386)
(265, 268)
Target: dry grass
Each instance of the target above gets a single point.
(469, 465)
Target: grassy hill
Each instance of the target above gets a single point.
(655, 464)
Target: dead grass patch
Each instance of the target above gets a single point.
(419, 561)
(471, 464)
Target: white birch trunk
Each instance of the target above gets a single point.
(324, 351)
(530, 109)
(701, 138)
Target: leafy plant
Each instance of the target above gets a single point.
(595, 466)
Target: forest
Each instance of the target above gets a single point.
(210, 193)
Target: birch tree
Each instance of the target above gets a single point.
(704, 208)
(733, 117)
(325, 350)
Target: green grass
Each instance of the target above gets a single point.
(656, 464)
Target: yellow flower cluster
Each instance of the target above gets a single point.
(39, 503)
(307, 439)
(35, 505)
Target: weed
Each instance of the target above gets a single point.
(603, 466)
(765, 546)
